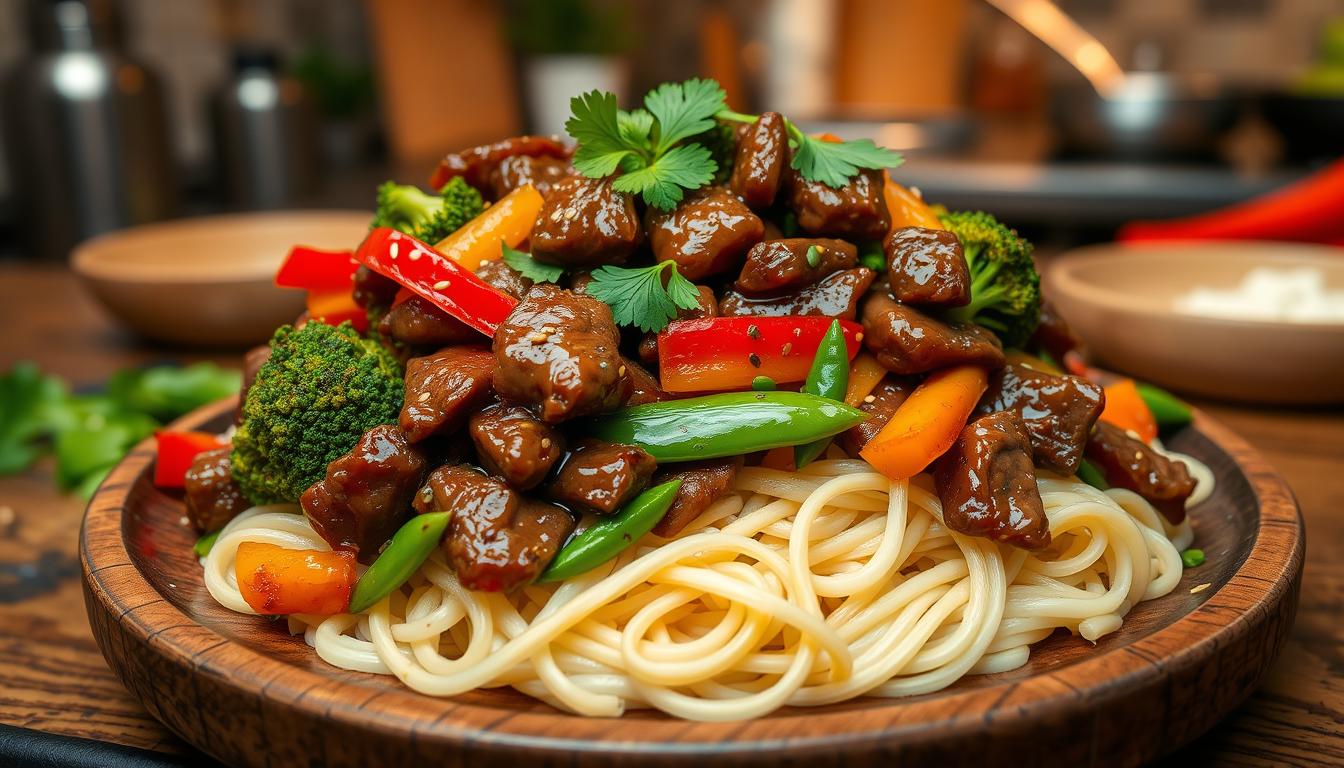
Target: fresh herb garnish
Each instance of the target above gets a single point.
(813, 256)
(832, 163)
(638, 297)
(1192, 558)
(528, 267)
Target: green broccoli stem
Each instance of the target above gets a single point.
(984, 291)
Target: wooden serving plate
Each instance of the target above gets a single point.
(242, 689)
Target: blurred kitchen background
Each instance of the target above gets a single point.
(118, 113)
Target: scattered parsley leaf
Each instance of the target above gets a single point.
(663, 184)
(684, 109)
(834, 163)
(529, 267)
(638, 298)
(594, 123)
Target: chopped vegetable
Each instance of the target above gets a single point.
(828, 378)
(336, 307)
(278, 581)
(440, 280)
(1090, 474)
(725, 425)
(508, 221)
(646, 298)
(1126, 409)
(166, 392)
(206, 543)
(1005, 288)
(763, 384)
(408, 550)
(177, 449)
(927, 423)
(610, 536)
(315, 269)
(864, 375)
(87, 450)
(728, 353)
(1167, 409)
(424, 216)
(32, 407)
(906, 208)
(528, 267)
(1192, 558)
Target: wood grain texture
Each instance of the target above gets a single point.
(245, 691)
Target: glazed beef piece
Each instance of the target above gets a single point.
(856, 212)
(498, 539)
(578, 281)
(416, 322)
(513, 444)
(476, 165)
(834, 296)
(600, 477)
(558, 353)
(1054, 335)
(926, 267)
(212, 496)
(880, 404)
(1130, 463)
(367, 492)
(520, 170)
(507, 279)
(1059, 412)
(372, 290)
(443, 389)
(252, 362)
(586, 223)
(759, 160)
(644, 386)
(987, 484)
(905, 340)
(708, 233)
(707, 306)
(702, 484)
(777, 266)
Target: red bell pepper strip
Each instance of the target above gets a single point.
(177, 450)
(335, 307)
(317, 270)
(437, 278)
(726, 353)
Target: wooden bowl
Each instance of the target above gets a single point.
(1120, 299)
(207, 282)
(245, 691)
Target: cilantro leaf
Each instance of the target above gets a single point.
(594, 124)
(528, 267)
(684, 109)
(834, 163)
(663, 183)
(635, 127)
(639, 298)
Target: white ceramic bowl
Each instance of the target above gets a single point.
(207, 282)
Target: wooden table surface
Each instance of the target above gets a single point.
(53, 679)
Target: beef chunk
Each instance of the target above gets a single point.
(758, 162)
(416, 322)
(1054, 335)
(507, 279)
(513, 444)
(521, 170)
(372, 290)
(706, 234)
(905, 340)
(600, 477)
(880, 404)
(443, 389)
(586, 223)
(926, 267)
(702, 484)
(777, 266)
(707, 306)
(558, 353)
(212, 496)
(1059, 412)
(367, 493)
(834, 296)
(252, 362)
(856, 212)
(477, 164)
(988, 486)
(644, 386)
(498, 539)
(1130, 463)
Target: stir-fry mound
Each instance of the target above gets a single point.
(1005, 287)
(322, 388)
(424, 216)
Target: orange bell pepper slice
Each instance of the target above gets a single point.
(1126, 409)
(927, 423)
(906, 208)
(335, 307)
(864, 374)
(274, 580)
(509, 220)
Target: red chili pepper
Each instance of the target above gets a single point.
(317, 270)
(437, 278)
(726, 353)
(335, 307)
(177, 449)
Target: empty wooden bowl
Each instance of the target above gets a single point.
(207, 282)
(1122, 300)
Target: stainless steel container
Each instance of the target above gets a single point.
(85, 130)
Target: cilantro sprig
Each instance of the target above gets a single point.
(528, 267)
(647, 297)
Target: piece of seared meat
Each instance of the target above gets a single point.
(417, 323)
(507, 279)
(836, 295)
(600, 477)
(759, 160)
(1059, 412)
(856, 212)
(514, 444)
(586, 223)
(476, 165)
(445, 388)
(1132, 464)
(905, 340)
(880, 405)
(520, 170)
(212, 496)
(702, 484)
(926, 267)
(780, 266)
(708, 233)
(987, 484)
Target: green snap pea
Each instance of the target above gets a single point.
(205, 544)
(610, 536)
(1192, 558)
(730, 424)
(1088, 473)
(1168, 410)
(828, 378)
(409, 549)
(764, 384)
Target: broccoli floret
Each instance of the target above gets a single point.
(424, 216)
(322, 388)
(1005, 288)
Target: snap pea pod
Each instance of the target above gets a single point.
(828, 378)
(204, 544)
(730, 424)
(409, 548)
(606, 538)
(1088, 473)
(1168, 410)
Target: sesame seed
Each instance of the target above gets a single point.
(869, 399)
(424, 396)
(797, 333)
(393, 250)
(545, 442)
(1200, 588)
(441, 285)
(753, 331)
(547, 329)
(858, 336)
(787, 349)
(754, 359)
(539, 337)
(571, 213)
(183, 520)
(620, 371)
(416, 254)
(917, 193)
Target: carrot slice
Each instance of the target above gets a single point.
(274, 580)
(864, 374)
(906, 208)
(927, 423)
(510, 220)
(1126, 409)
